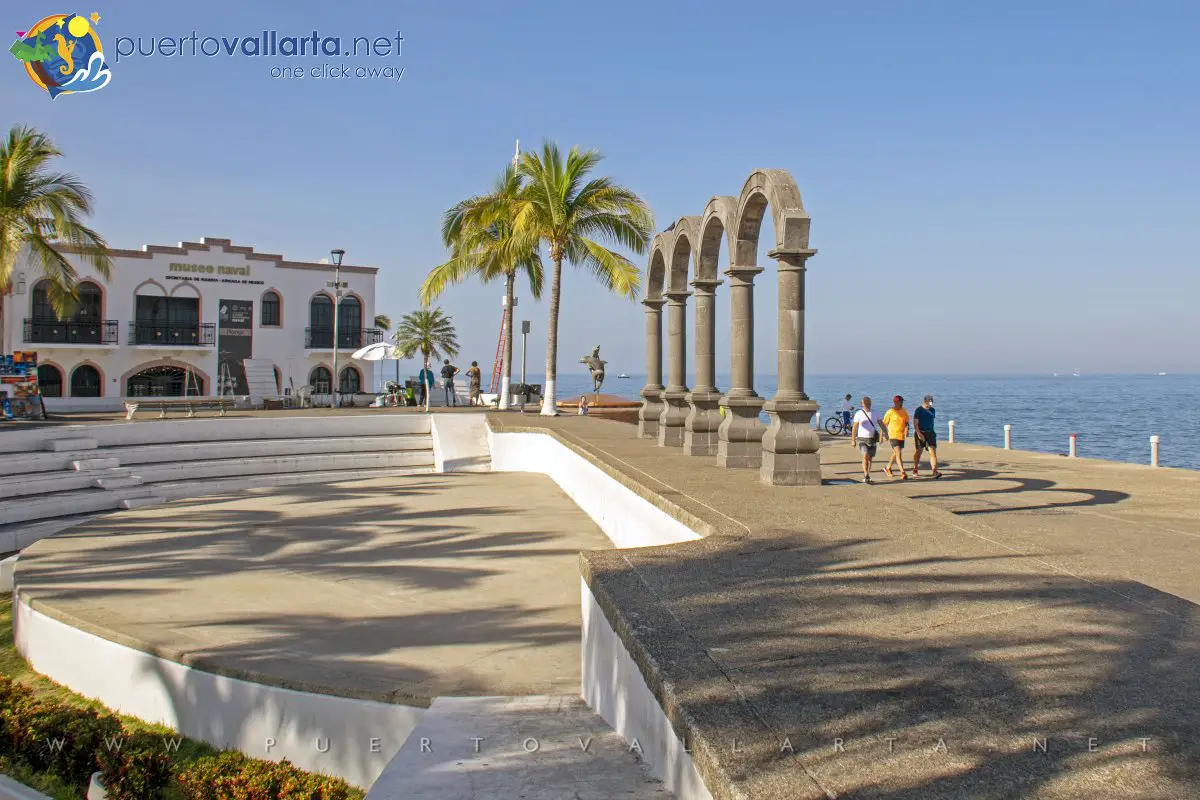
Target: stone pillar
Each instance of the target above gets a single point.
(790, 445)
(739, 439)
(675, 407)
(703, 419)
(652, 405)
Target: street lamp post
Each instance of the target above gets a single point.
(336, 257)
(524, 386)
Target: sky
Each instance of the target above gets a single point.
(994, 188)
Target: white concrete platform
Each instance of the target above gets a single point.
(533, 748)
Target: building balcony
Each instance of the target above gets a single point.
(153, 334)
(348, 338)
(97, 333)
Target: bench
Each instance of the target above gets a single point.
(132, 406)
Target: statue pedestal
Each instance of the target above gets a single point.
(739, 439)
(674, 417)
(651, 410)
(703, 421)
(790, 445)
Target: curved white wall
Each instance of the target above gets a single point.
(359, 737)
(627, 519)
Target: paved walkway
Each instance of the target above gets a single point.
(391, 589)
(917, 640)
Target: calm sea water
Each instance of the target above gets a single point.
(1114, 415)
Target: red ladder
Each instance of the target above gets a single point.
(498, 363)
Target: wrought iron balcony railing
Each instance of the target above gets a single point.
(348, 338)
(173, 335)
(101, 331)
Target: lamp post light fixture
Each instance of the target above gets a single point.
(335, 256)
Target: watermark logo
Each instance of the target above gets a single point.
(62, 54)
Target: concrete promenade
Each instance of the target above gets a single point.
(1025, 627)
(393, 589)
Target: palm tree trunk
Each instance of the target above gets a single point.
(549, 398)
(506, 370)
(428, 388)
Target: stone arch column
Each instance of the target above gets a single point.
(740, 436)
(790, 446)
(703, 419)
(675, 407)
(652, 405)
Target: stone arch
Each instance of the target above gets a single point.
(94, 366)
(165, 362)
(718, 220)
(278, 301)
(146, 284)
(189, 289)
(660, 254)
(777, 188)
(62, 376)
(683, 250)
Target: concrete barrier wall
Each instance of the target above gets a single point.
(351, 739)
(220, 429)
(627, 519)
(614, 688)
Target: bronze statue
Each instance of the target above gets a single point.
(596, 365)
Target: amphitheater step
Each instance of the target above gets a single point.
(269, 465)
(19, 535)
(577, 754)
(142, 502)
(41, 483)
(59, 445)
(27, 509)
(203, 451)
(95, 463)
(118, 482)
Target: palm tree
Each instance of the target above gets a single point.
(479, 233)
(561, 208)
(383, 322)
(42, 211)
(430, 333)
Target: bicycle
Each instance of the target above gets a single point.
(836, 425)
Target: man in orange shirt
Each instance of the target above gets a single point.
(896, 422)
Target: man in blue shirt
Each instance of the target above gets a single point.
(926, 435)
(425, 378)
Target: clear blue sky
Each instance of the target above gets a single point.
(994, 187)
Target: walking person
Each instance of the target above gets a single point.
(448, 373)
(896, 421)
(425, 378)
(476, 378)
(925, 436)
(847, 411)
(865, 431)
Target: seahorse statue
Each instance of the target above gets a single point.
(65, 49)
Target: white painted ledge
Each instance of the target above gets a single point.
(626, 519)
(11, 790)
(351, 739)
(614, 688)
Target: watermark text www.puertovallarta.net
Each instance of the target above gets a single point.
(291, 57)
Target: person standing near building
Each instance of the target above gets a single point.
(847, 411)
(476, 378)
(925, 435)
(896, 421)
(865, 431)
(425, 379)
(448, 373)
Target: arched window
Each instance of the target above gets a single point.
(320, 322)
(42, 310)
(350, 322)
(270, 309)
(50, 381)
(90, 299)
(320, 379)
(85, 382)
(84, 326)
(165, 381)
(350, 381)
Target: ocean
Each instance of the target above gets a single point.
(1113, 415)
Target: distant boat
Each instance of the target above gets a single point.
(1162, 373)
(622, 375)
(1075, 374)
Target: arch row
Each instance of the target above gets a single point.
(683, 262)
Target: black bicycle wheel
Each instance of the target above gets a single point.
(833, 426)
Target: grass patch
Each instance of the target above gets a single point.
(190, 754)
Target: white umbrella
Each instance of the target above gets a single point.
(374, 352)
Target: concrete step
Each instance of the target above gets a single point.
(535, 748)
(271, 465)
(95, 463)
(59, 445)
(202, 451)
(110, 483)
(184, 489)
(46, 506)
(39, 483)
(19, 535)
(142, 502)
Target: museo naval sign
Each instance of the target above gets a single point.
(235, 340)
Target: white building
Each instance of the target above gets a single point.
(176, 320)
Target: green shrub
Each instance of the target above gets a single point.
(65, 740)
(232, 776)
(139, 770)
(13, 697)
